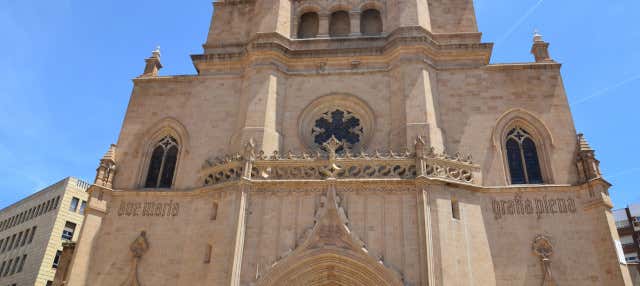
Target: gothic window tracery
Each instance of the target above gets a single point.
(344, 125)
(162, 164)
(522, 157)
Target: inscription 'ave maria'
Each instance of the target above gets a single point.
(538, 207)
(157, 209)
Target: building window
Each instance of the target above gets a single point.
(24, 257)
(15, 265)
(26, 236)
(342, 125)
(74, 204)
(33, 232)
(455, 208)
(83, 205)
(56, 259)
(55, 205)
(4, 247)
(308, 25)
(339, 25)
(6, 270)
(214, 211)
(18, 240)
(162, 164)
(13, 239)
(207, 253)
(371, 22)
(522, 156)
(67, 232)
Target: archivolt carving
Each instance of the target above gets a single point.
(330, 253)
(344, 165)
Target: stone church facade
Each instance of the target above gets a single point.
(365, 142)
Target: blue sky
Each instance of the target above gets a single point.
(66, 68)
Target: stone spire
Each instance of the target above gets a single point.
(588, 165)
(540, 49)
(153, 64)
(107, 168)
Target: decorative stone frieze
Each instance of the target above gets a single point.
(321, 165)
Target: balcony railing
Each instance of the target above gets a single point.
(330, 164)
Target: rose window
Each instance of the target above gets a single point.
(343, 125)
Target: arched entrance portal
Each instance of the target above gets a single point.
(324, 267)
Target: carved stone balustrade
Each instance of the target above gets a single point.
(330, 165)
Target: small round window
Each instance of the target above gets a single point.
(341, 124)
(345, 117)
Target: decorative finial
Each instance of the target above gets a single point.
(540, 49)
(156, 52)
(537, 37)
(153, 64)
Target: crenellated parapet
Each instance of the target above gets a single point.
(331, 163)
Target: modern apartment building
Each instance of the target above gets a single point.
(32, 232)
(628, 224)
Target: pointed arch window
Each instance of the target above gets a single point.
(522, 157)
(162, 164)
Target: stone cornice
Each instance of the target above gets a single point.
(373, 185)
(442, 48)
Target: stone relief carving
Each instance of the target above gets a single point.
(330, 231)
(335, 164)
(138, 248)
(543, 248)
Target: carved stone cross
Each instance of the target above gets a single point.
(331, 146)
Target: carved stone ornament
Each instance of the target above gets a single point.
(330, 245)
(107, 168)
(543, 248)
(138, 248)
(336, 162)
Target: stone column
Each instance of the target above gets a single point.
(238, 250)
(258, 116)
(354, 17)
(94, 213)
(421, 105)
(323, 25)
(427, 251)
(413, 13)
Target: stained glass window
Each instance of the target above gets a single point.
(162, 164)
(522, 157)
(339, 123)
